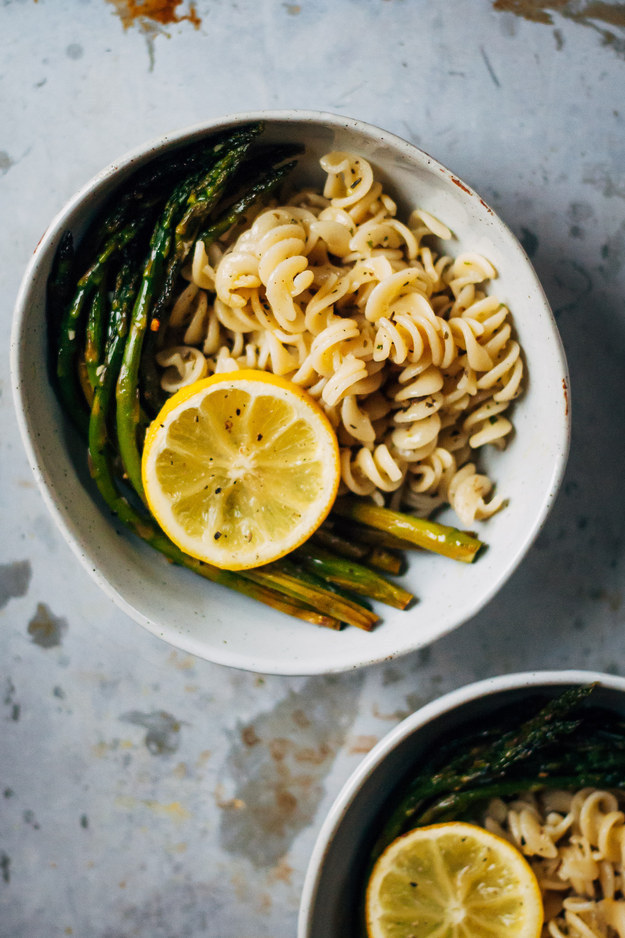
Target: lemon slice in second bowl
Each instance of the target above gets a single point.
(240, 468)
(453, 880)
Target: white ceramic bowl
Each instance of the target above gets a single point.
(225, 627)
(334, 879)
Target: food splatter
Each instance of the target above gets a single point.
(146, 13)
(163, 730)
(598, 14)
(10, 702)
(14, 577)
(45, 628)
(273, 776)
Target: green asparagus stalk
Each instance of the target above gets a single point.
(463, 805)
(180, 211)
(59, 291)
(534, 749)
(418, 532)
(369, 536)
(352, 576)
(72, 324)
(260, 189)
(128, 405)
(386, 560)
(150, 185)
(200, 202)
(94, 334)
(304, 589)
(203, 196)
(376, 557)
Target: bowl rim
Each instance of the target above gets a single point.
(453, 700)
(70, 530)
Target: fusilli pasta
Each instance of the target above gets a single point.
(575, 842)
(413, 362)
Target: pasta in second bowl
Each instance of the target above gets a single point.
(391, 293)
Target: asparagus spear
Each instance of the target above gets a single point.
(419, 532)
(200, 201)
(179, 210)
(151, 184)
(368, 536)
(377, 557)
(72, 323)
(94, 334)
(534, 749)
(290, 581)
(261, 188)
(463, 805)
(127, 396)
(352, 576)
(59, 291)
(141, 197)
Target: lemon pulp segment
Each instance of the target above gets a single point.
(453, 880)
(241, 470)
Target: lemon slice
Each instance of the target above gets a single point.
(453, 880)
(240, 468)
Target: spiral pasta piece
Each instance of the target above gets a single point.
(182, 366)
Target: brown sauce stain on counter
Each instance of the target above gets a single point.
(565, 388)
(273, 776)
(46, 629)
(163, 12)
(589, 13)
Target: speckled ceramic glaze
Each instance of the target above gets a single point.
(222, 626)
(333, 881)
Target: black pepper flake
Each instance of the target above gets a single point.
(259, 437)
(217, 490)
(217, 535)
(238, 411)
